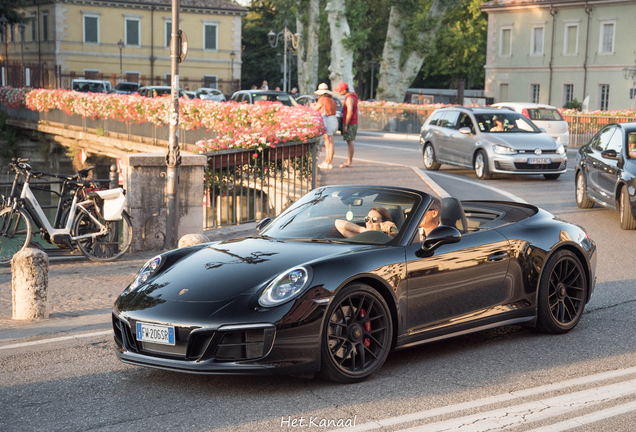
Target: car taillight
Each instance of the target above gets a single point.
(525, 113)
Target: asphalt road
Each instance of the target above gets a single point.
(582, 381)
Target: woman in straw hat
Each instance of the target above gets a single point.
(327, 107)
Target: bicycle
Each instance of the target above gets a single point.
(89, 220)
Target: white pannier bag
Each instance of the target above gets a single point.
(114, 203)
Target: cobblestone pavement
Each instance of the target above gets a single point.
(79, 287)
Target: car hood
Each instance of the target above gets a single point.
(222, 271)
(523, 141)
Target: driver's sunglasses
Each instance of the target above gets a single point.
(373, 219)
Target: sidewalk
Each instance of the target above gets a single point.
(81, 292)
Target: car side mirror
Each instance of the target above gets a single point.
(263, 223)
(609, 154)
(439, 236)
(465, 130)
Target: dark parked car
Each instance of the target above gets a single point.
(490, 141)
(159, 91)
(126, 88)
(251, 96)
(307, 100)
(606, 172)
(299, 297)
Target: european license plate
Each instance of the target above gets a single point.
(155, 333)
(539, 161)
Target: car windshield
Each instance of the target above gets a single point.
(282, 98)
(88, 87)
(544, 114)
(505, 123)
(314, 216)
(127, 87)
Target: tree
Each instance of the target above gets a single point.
(308, 25)
(341, 67)
(409, 39)
(10, 9)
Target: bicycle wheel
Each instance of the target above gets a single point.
(106, 247)
(15, 233)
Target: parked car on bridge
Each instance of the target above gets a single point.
(300, 296)
(307, 100)
(158, 91)
(606, 172)
(91, 86)
(544, 116)
(210, 94)
(252, 96)
(126, 88)
(490, 141)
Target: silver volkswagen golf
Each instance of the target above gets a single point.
(490, 141)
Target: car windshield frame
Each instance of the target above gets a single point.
(512, 123)
(313, 217)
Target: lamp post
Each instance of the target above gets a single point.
(373, 64)
(286, 35)
(21, 26)
(120, 44)
(232, 54)
(630, 73)
(3, 29)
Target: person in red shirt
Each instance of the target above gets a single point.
(349, 119)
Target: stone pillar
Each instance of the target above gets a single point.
(145, 183)
(192, 239)
(30, 284)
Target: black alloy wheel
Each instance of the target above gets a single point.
(628, 222)
(562, 293)
(582, 200)
(357, 334)
(428, 157)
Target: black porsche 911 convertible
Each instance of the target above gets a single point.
(300, 297)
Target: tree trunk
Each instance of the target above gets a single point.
(341, 67)
(308, 48)
(395, 80)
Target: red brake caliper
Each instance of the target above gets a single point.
(367, 326)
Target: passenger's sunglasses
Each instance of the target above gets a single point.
(373, 219)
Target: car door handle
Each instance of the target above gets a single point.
(499, 256)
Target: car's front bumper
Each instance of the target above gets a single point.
(518, 164)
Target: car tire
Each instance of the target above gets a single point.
(357, 334)
(428, 156)
(582, 200)
(562, 293)
(551, 176)
(627, 217)
(482, 170)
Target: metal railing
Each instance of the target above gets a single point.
(583, 127)
(245, 185)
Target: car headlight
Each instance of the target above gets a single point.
(146, 271)
(560, 149)
(285, 287)
(499, 149)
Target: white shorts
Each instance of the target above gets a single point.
(331, 124)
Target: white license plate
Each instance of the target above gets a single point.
(155, 333)
(539, 161)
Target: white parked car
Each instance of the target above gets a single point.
(210, 94)
(544, 116)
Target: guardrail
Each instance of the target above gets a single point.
(245, 185)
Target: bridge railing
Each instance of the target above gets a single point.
(245, 185)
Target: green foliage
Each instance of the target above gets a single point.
(10, 8)
(99, 131)
(459, 49)
(573, 104)
(10, 135)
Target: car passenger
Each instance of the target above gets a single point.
(499, 125)
(378, 219)
(631, 145)
(431, 219)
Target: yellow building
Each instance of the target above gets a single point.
(124, 39)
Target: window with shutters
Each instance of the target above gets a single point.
(210, 36)
(505, 42)
(132, 29)
(571, 39)
(606, 42)
(91, 28)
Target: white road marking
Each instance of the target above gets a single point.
(492, 400)
(589, 418)
(530, 412)
(431, 183)
(385, 147)
(509, 195)
(59, 339)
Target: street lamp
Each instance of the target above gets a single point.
(120, 44)
(286, 35)
(3, 29)
(21, 26)
(630, 73)
(373, 64)
(232, 54)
